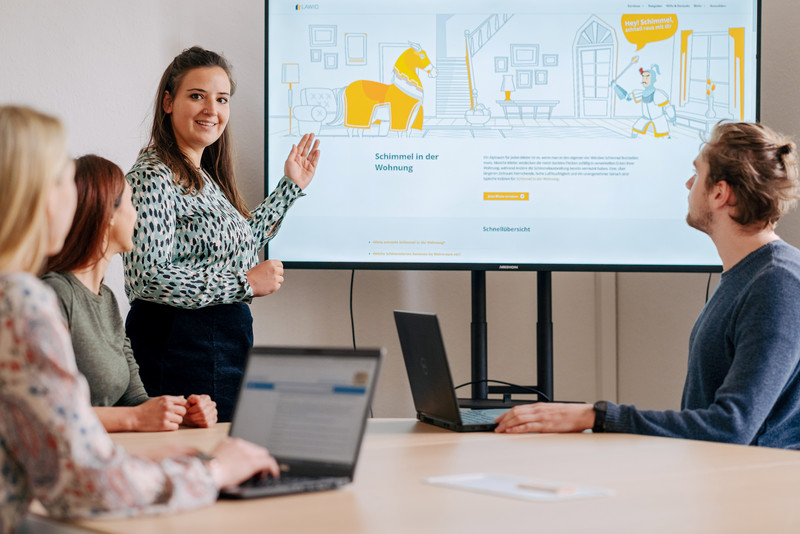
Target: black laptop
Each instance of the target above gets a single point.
(309, 407)
(429, 375)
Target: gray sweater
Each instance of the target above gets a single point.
(743, 381)
(102, 350)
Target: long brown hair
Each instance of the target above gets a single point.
(100, 184)
(217, 159)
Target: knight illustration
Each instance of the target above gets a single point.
(656, 109)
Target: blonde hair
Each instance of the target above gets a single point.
(33, 150)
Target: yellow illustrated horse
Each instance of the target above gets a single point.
(367, 102)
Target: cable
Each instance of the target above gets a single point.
(353, 320)
(352, 317)
(529, 388)
(708, 286)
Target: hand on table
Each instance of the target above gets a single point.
(547, 417)
(160, 413)
(201, 411)
(302, 161)
(266, 277)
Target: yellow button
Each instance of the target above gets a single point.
(505, 195)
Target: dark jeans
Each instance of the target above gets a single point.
(182, 351)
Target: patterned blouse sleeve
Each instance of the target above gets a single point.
(64, 457)
(268, 216)
(150, 273)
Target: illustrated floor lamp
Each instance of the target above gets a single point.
(508, 85)
(290, 73)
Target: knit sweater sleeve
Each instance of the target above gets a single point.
(135, 394)
(764, 340)
(64, 293)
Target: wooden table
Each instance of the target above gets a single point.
(659, 485)
(528, 109)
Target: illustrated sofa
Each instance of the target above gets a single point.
(319, 108)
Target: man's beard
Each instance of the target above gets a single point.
(699, 221)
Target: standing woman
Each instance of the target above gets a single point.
(52, 446)
(194, 265)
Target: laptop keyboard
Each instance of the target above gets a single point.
(478, 417)
(288, 484)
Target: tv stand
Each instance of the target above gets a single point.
(479, 347)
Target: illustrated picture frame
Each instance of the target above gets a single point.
(524, 55)
(355, 48)
(524, 79)
(331, 61)
(550, 60)
(322, 34)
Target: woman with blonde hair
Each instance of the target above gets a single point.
(52, 446)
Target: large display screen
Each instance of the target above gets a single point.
(513, 134)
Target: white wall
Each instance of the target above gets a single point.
(96, 63)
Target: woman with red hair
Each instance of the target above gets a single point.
(102, 227)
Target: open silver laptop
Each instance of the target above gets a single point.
(430, 379)
(309, 407)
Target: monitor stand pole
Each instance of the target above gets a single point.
(479, 344)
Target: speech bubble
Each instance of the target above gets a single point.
(643, 29)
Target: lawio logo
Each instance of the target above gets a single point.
(298, 7)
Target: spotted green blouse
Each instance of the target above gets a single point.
(195, 250)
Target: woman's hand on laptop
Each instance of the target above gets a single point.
(201, 411)
(236, 460)
(546, 417)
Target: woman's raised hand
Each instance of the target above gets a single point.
(302, 161)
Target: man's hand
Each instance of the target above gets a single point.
(546, 417)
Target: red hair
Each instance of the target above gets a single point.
(100, 184)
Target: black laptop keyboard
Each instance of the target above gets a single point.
(476, 417)
(288, 484)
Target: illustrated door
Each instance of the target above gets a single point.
(595, 51)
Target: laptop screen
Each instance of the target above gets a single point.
(306, 404)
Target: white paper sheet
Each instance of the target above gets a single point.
(517, 487)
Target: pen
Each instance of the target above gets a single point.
(555, 490)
